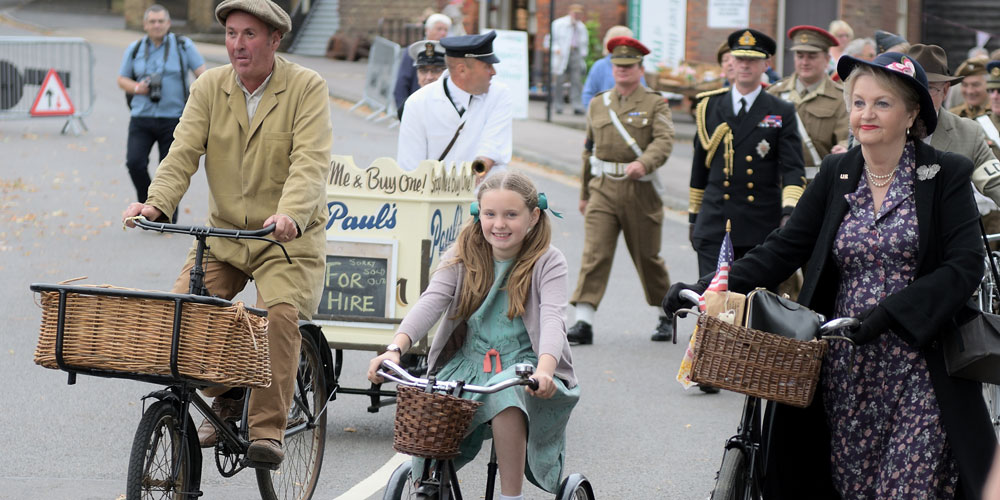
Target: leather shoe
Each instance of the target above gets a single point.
(664, 330)
(580, 333)
(265, 451)
(228, 410)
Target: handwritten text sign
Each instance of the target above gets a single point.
(354, 286)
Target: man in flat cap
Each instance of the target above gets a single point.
(461, 117)
(569, 41)
(427, 57)
(973, 72)
(818, 100)
(630, 133)
(747, 166)
(263, 126)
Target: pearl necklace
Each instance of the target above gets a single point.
(885, 179)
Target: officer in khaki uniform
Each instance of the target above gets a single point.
(973, 88)
(619, 189)
(992, 129)
(818, 100)
(747, 164)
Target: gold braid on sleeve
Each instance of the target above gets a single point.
(695, 196)
(790, 195)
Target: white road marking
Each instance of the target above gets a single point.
(371, 484)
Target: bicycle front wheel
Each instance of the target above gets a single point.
(160, 465)
(400, 485)
(305, 434)
(732, 482)
(575, 487)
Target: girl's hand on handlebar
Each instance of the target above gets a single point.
(376, 363)
(148, 211)
(546, 386)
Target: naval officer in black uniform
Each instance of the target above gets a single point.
(747, 164)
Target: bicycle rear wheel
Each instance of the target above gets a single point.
(400, 485)
(157, 451)
(305, 437)
(575, 487)
(732, 481)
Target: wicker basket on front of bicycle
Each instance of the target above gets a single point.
(221, 345)
(756, 363)
(430, 425)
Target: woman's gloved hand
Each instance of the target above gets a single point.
(874, 322)
(673, 301)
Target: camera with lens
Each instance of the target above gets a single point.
(155, 87)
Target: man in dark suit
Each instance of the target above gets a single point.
(747, 164)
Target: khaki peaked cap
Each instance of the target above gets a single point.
(265, 10)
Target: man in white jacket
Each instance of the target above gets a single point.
(569, 40)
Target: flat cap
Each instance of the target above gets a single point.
(626, 50)
(807, 38)
(972, 67)
(426, 53)
(471, 47)
(752, 44)
(885, 40)
(993, 75)
(265, 10)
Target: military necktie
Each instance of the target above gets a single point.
(743, 109)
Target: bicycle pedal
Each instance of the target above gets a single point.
(260, 465)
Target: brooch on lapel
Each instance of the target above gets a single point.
(763, 147)
(925, 172)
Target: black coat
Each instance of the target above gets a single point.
(751, 197)
(949, 267)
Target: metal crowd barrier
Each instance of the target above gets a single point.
(24, 63)
(380, 79)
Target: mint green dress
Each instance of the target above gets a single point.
(490, 331)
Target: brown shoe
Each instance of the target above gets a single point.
(265, 451)
(229, 410)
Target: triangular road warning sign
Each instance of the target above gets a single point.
(52, 99)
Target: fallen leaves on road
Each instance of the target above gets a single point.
(350, 429)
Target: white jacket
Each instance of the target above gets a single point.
(562, 37)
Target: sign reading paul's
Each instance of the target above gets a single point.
(386, 232)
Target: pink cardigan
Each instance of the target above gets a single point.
(543, 312)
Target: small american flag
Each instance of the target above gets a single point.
(720, 283)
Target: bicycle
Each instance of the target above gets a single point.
(740, 476)
(988, 298)
(438, 480)
(165, 459)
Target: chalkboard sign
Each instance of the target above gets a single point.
(354, 286)
(358, 282)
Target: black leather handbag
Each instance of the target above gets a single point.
(771, 313)
(973, 350)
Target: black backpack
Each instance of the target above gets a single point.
(182, 42)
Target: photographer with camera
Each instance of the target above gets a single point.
(154, 77)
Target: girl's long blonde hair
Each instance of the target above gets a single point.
(476, 254)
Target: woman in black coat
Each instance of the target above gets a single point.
(887, 232)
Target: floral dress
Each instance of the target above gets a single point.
(887, 437)
(493, 346)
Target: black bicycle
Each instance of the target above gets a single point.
(438, 480)
(166, 460)
(740, 476)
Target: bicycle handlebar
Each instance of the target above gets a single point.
(204, 231)
(829, 326)
(400, 376)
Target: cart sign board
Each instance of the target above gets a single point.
(386, 232)
(732, 14)
(356, 281)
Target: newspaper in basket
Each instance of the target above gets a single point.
(111, 331)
